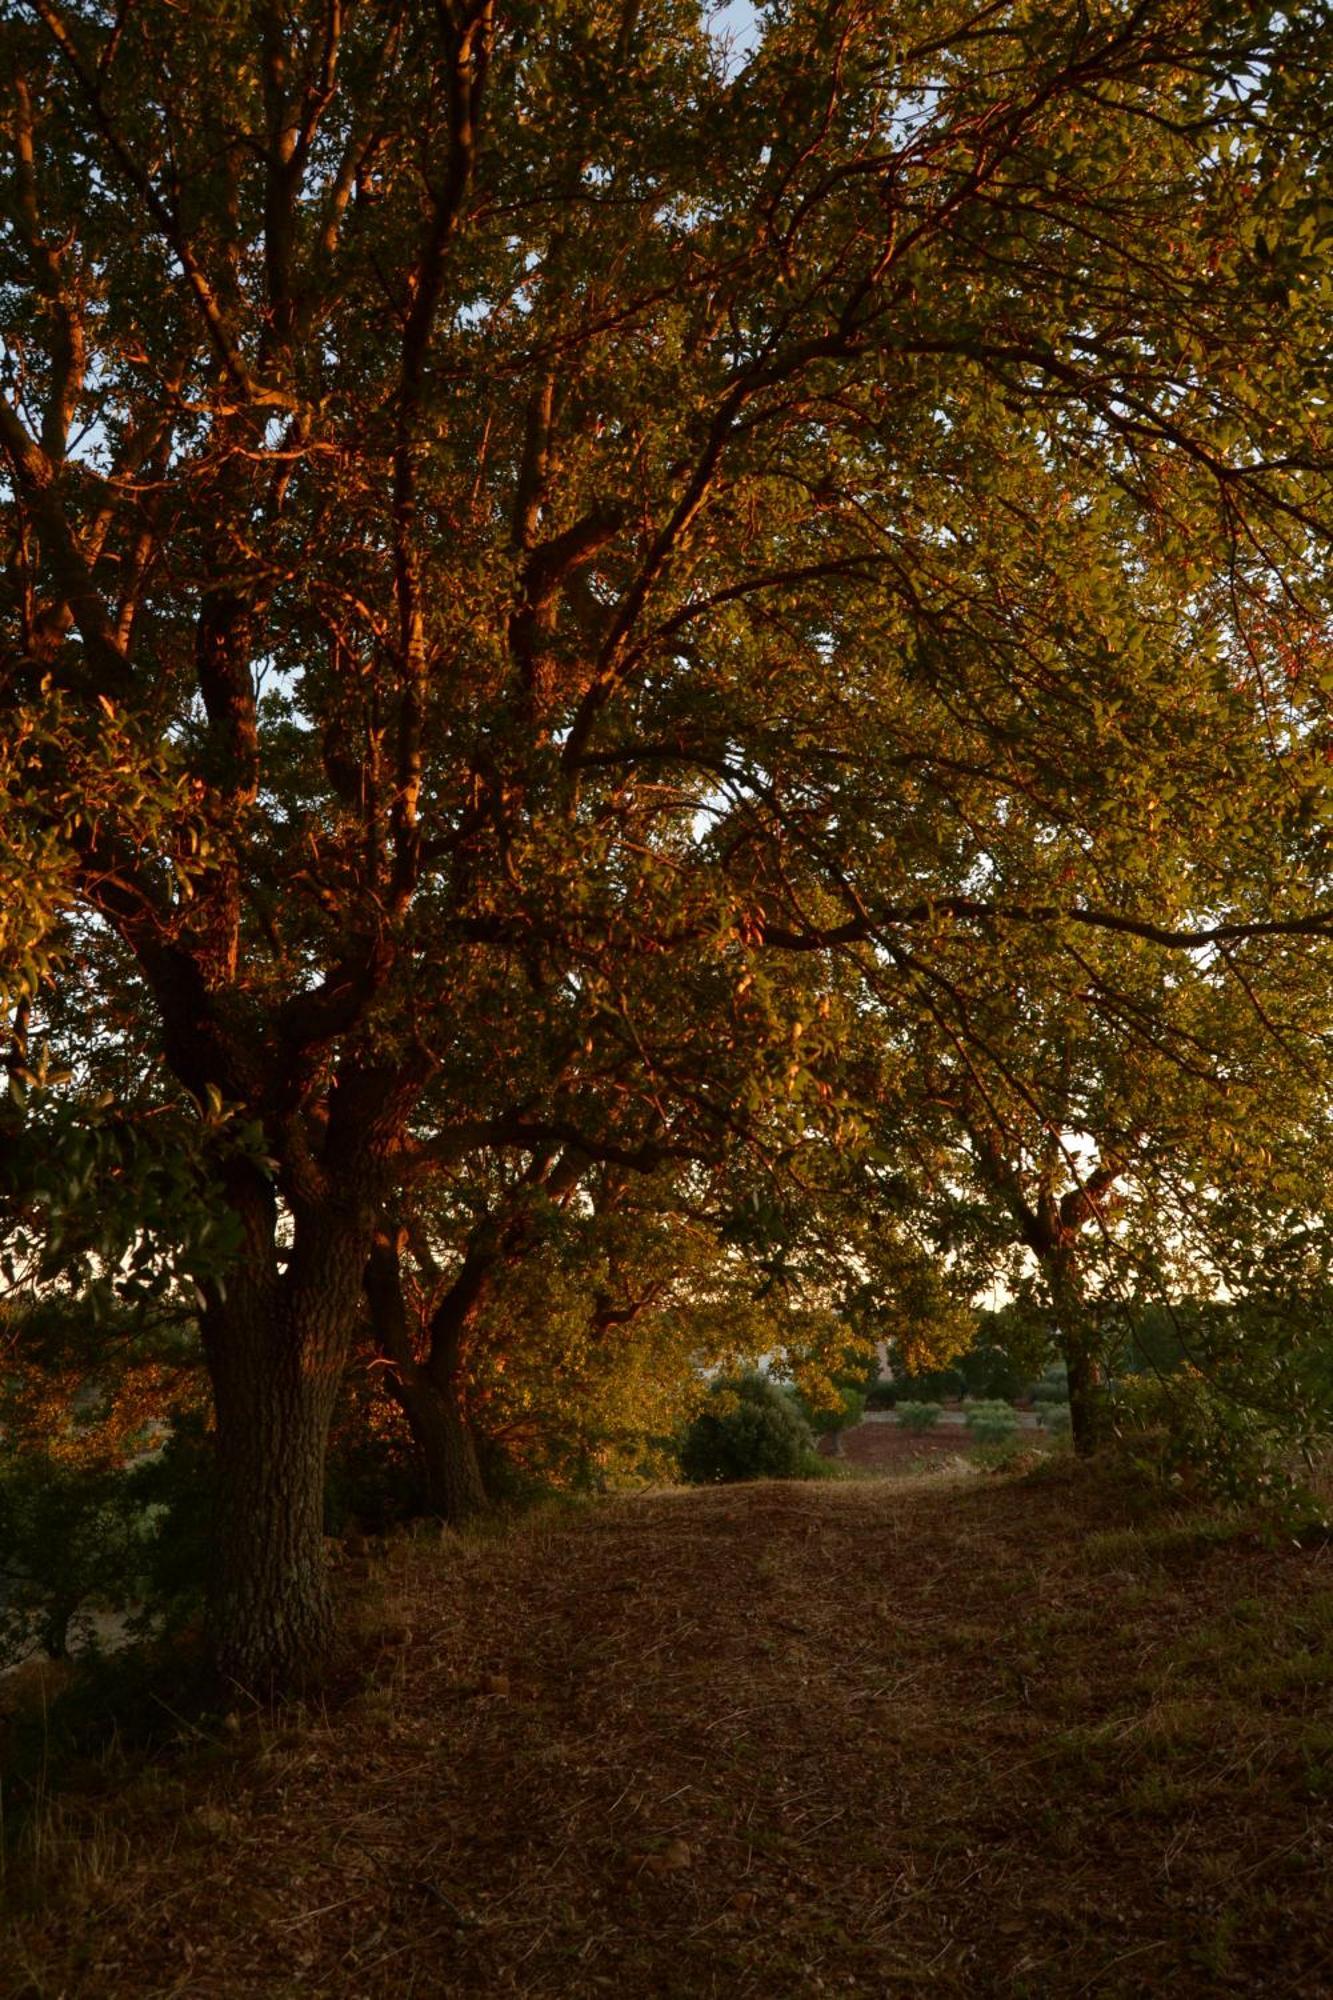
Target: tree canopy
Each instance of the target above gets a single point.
(577, 602)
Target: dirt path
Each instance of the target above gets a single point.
(873, 1739)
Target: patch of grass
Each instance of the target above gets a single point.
(817, 1465)
(1171, 1542)
(72, 1727)
(1015, 1451)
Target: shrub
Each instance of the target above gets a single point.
(814, 1465)
(1055, 1418)
(1053, 1387)
(78, 1539)
(66, 1541)
(919, 1416)
(825, 1420)
(372, 1479)
(750, 1428)
(936, 1385)
(172, 1496)
(992, 1422)
(1185, 1431)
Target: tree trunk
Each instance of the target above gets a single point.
(1080, 1344)
(428, 1392)
(58, 1618)
(452, 1485)
(276, 1344)
(1086, 1411)
(272, 1609)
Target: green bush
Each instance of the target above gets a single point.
(1055, 1418)
(919, 1416)
(1007, 1349)
(1053, 1387)
(936, 1385)
(172, 1496)
(992, 1422)
(824, 1421)
(751, 1428)
(371, 1476)
(1185, 1431)
(67, 1542)
(79, 1539)
(814, 1465)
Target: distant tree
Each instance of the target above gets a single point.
(1117, 1181)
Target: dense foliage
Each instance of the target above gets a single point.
(582, 609)
(750, 1428)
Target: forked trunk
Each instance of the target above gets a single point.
(429, 1391)
(452, 1485)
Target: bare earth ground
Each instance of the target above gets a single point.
(937, 1737)
(886, 1447)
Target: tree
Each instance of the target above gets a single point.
(516, 524)
(1109, 1178)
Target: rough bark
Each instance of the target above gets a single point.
(272, 1611)
(452, 1485)
(277, 1343)
(429, 1391)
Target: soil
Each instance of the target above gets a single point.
(888, 1448)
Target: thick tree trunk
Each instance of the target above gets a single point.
(276, 1344)
(272, 1610)
(452, 1485)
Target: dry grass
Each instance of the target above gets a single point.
(873, 1739)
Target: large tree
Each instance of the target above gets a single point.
(499, 495)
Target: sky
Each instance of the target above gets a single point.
(736, 22)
